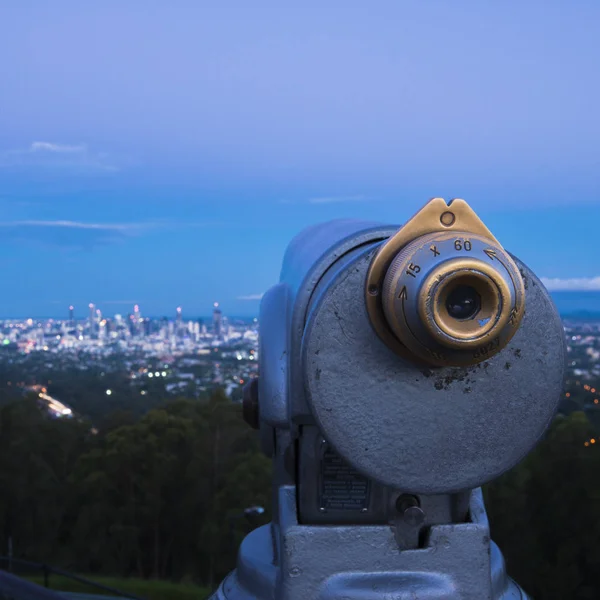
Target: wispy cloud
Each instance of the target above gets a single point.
(576, 284)
(75, 158)
(332, 199)
(60, 148)
(82, 235)
(326, 200)
(251, 297)
(123, 227)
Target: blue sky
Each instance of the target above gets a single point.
(165, 153)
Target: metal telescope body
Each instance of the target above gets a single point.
(378, 459)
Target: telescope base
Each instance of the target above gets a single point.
(289, 561)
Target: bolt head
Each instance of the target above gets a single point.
(414, 516)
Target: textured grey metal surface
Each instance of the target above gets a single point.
(429, 430)
(364, 562)
(308, 258)
(323, 244)
(273, 354)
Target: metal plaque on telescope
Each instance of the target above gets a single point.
(341, 487)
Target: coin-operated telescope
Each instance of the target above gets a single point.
(400, 369)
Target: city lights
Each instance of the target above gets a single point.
(180, 355)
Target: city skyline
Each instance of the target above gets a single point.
(70, 312)
(99, 310)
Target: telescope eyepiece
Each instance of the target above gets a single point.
(465, 301)
(447, 297)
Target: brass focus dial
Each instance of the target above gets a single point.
(451, 296)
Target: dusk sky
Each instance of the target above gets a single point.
(165, 153)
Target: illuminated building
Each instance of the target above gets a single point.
(178, 323)
(217, 321)
(137, 320)
(91, 318)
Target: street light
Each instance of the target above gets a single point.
(253, 511)
(248, 513)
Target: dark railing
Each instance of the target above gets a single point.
(15, 588)
(14, 564)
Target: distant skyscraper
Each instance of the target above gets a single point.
(201, 326)
(102, 329)
(137, 321)
(131, 324)
(178, 323)
(91, 317)
(217, 321)
(71, 316)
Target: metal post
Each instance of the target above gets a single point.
(10, 553)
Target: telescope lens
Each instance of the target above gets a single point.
(463, 302)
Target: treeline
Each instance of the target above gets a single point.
(156, 496)
(545, 514)
(160, 496)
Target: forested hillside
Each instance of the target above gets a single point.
(160, 495)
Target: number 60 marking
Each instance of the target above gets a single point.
(460, 245)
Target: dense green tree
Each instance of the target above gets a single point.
(162, 493)
(142, 496)
(37, 456)
(545, 514)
